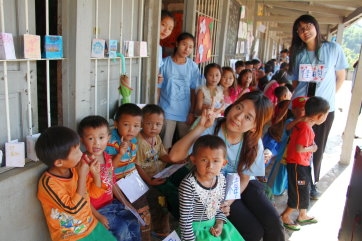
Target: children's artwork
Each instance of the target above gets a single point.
(204, 44)
(7, 50)
(140, 48)
(132, 186)
(232, 186)
(172, 237)
(15, 154)
(98, 46)
(112, 48)
(31, 46)
(168, 171)
(128, 48)
(53, 47)
(30, 147)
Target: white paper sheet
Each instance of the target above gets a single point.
(232, 186)
(132, 186)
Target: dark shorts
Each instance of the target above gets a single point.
(298, 186)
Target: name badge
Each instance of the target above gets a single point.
(312, 73)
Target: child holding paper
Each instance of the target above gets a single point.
(123, 148)
(201, 193)
(110, 211)
(152, 158)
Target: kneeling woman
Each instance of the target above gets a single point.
(253, 215)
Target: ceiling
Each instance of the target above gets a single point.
(280, 15)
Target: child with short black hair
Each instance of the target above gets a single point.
(299, 153)
(152, 158)
(123, 148)
(62, 188)
(282, 93)
(201, 193)
(110, 211)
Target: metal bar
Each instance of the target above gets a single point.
(109, 60)
(96, 68)
(28, 80)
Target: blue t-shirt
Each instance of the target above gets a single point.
(331, 59)
(128, 160)
(178, 80)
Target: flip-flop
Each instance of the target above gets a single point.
(291, 226)
(307, 221)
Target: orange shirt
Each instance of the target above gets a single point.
(68, 214)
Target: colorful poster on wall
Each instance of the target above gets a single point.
(205, 26)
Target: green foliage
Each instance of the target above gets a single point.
(352, 39)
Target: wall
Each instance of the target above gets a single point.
(21, 216)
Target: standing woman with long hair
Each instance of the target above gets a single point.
(253, 215)
(317, 67)
(181, 76)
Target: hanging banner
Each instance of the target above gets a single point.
(205, 26)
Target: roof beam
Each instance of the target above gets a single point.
(307, 7)
(290, 19)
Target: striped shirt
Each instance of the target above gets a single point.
(198, 203)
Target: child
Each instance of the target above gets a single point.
(211, 91)
(279, 79)
(283, 122)
(239, 66)
(62, 189)
(177, 91)
(94, 134)
(228, 82)
(282, 93)
(123, 148)
(166, 27)
(151, 159)
(243, 82)
(201, 193)
(300, 149)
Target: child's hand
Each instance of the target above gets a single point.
(159, 79)
(157, 181)
(94, 167)
(314, 147)
(216, 230)
(83, 167)
(225, 207)
(103, 221)
(123, 147)
(267, 155)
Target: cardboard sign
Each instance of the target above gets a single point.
(232, 186)
(53, 47)
(128, 48)
(98, 46)
(140, 48)
(15, 154)
(31, 46)
(30, 147)
(7, 50)
(112, 48)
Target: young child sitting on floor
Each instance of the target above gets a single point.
(62, 188)
(110, 211)
(201, 193)
(123, 148)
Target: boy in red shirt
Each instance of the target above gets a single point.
(300, 149)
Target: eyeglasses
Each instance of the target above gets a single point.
(305, 28)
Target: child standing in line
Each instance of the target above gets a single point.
(228, 82)
(62, 188)
(110, 211)
(243, 82)
(211, 91)
(239, 66)
(299, 153)
(181, 76)
(166, 27)
(152, 158)
(123, 148)
(201, 193)
(283, 122)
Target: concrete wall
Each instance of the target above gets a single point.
(21, 216)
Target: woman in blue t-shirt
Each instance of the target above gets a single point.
(253, 215)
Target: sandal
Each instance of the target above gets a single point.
(307, 221)
(291, 226)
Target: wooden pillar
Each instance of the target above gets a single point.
(353, 113)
